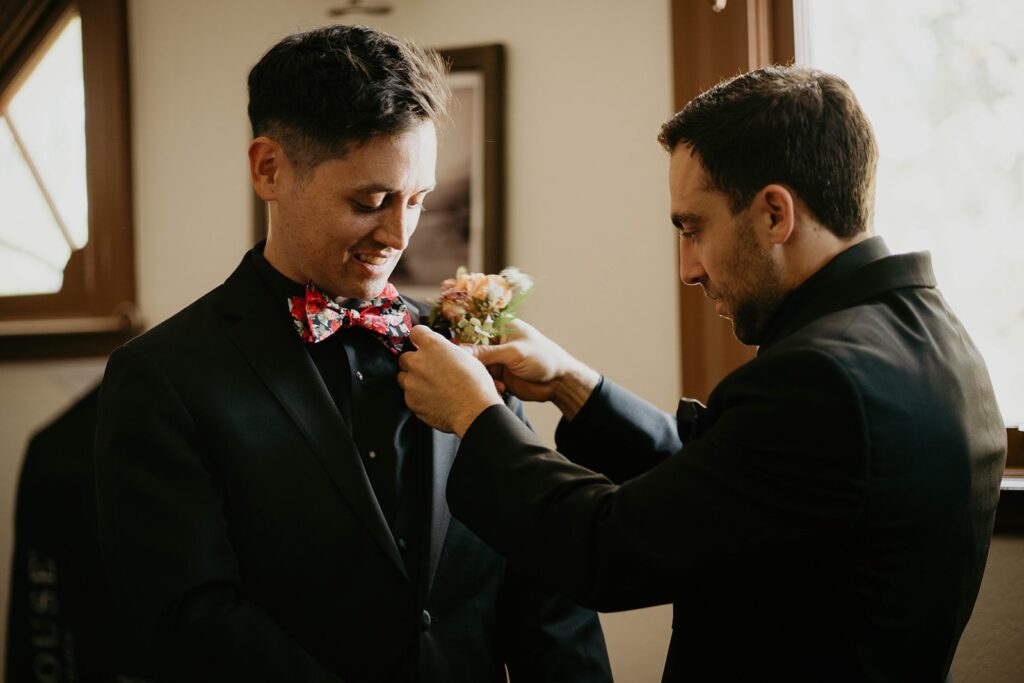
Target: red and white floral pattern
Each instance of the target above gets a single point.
(317, 316)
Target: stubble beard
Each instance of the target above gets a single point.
(758, 288)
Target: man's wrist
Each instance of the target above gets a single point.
(573, 389)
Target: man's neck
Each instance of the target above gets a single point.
(817, 247)
(276, 258)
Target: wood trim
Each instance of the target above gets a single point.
(1015, 450)
(708, 46)
(1009, 519)
(759, 35)
(783, 50)
(26, 328)
(95, 343)
(99, 280)
(111, 271)
(1010, 510)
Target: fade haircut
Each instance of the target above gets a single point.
(320, 92)
(790, 125)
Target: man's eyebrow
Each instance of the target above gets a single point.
(685, 218)
(380, 188)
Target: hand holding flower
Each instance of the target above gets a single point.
(534, 368)
(478, 310)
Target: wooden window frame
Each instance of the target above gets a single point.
(95, 309)
(709, 45)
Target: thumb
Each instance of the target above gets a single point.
(421, 335)
(490, 355)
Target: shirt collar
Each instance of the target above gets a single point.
(844, 264)
(281, 285)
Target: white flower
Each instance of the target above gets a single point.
(475, 331)
(519, 281)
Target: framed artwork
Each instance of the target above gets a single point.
(463, 224)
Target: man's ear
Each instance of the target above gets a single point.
(266, 161)
(779, 208)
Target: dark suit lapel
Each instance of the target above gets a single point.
(275, 353)
(444, 447)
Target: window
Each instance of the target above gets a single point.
(66, 264)
(42, 169)
(942, 82)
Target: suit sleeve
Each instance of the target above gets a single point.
(620, 434)
(545, 635)
(168, 557)
(782, 467)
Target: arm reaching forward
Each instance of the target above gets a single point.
(443, 384)
(448, 389)
(534, 368)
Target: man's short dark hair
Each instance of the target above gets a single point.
(319, 92)
(790, 125)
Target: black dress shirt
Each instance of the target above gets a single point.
(360, 375)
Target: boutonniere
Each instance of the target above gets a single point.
(475, 308)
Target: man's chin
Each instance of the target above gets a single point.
(749, 324)
(743, 331)
(744, 336)
(359, 289)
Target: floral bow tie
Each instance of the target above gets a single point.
(317, 317)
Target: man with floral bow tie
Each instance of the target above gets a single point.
(269, 508)
(826, 517)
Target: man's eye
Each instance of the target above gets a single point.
(368, 208)
(417, 202)
(688, 235)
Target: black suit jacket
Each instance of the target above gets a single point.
(57, 608)
(828, 517)
(243, 541)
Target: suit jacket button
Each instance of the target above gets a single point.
(425, 620)
(402, 545)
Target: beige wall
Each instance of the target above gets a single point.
(588, 86)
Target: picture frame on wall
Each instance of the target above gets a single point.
(463, 219)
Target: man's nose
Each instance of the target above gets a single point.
(691, 271)
(397, 227)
